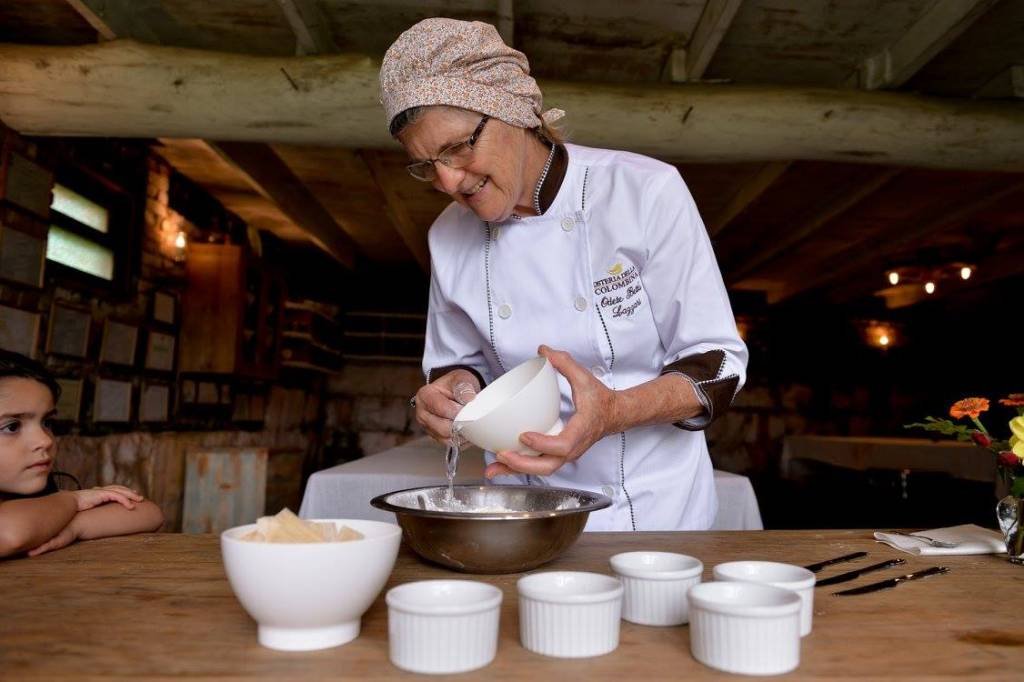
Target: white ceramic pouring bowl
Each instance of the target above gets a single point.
(526, 398)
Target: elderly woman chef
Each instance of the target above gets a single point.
(596, 259)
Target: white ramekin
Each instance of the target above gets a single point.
(745, 628)
(655, 585)
(786, 576)
(443, 626)
(569, 614)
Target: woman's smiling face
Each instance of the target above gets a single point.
(493, 183)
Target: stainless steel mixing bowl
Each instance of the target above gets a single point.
(544, 523)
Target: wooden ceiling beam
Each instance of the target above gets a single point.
(860, 256)
(310, 26)
(942, 23)
(149, 21)
(271, 177)
(747, 194)
(127, 89)
(414, 236)
(812, 224)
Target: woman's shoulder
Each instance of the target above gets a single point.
(619, 163)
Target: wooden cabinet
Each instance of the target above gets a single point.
(231, 313)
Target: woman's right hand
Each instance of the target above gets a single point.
(94, 497)
(438, 402)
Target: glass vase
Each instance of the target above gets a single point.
(1010, 512)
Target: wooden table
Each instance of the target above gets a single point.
(156, 606)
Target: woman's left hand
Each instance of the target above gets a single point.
(595, 417)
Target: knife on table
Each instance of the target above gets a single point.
(843, 577)
(814, 568)
(893, 582)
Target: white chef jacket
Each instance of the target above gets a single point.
(619, 272)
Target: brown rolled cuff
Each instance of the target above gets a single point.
(715, 392)
(438, 372)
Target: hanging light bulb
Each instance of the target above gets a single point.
(883, 340)
(966, 272)
(180, 242)
(894, 278)
(929, 287)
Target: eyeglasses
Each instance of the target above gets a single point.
(457, 155)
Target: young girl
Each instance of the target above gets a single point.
(35, 517)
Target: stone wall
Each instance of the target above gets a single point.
(368, 410)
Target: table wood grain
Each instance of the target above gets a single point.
(157, 606)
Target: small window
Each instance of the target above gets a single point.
(67, 248)
(74, 205)
(82, 233)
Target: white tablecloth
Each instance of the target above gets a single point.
(345, 491)
(962, 460)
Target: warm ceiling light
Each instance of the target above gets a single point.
(965, 272)
(883, 340)
(179, 241)
(929, 287)
(894, 278)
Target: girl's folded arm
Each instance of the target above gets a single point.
(113, 519)
(28, 523)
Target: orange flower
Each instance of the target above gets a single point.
(1013, 400)
(968, 407)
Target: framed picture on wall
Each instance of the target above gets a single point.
(160, 351)
(119, 341)
(112, 401)
(165, 307)
(22, 255)
(19, 330)
(154, 402)
(68, 332)
(69, 405)
(27, 184)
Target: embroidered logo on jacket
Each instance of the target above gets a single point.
(620, 293)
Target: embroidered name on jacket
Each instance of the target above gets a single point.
(620, 292)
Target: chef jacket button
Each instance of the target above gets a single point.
(568, 223)
(504, 311)
(495, 233)
(580, 303)
(608, 490)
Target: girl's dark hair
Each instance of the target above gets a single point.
(17, 365)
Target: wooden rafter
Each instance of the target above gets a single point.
(942, 23)
(747, 194)
(171, 92)
(270, 176)
(812, 224)
(714, 22)
(859, 255)
(1006, 84)
(413, 235)
(310, 26)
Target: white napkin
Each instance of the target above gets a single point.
(969, 539)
